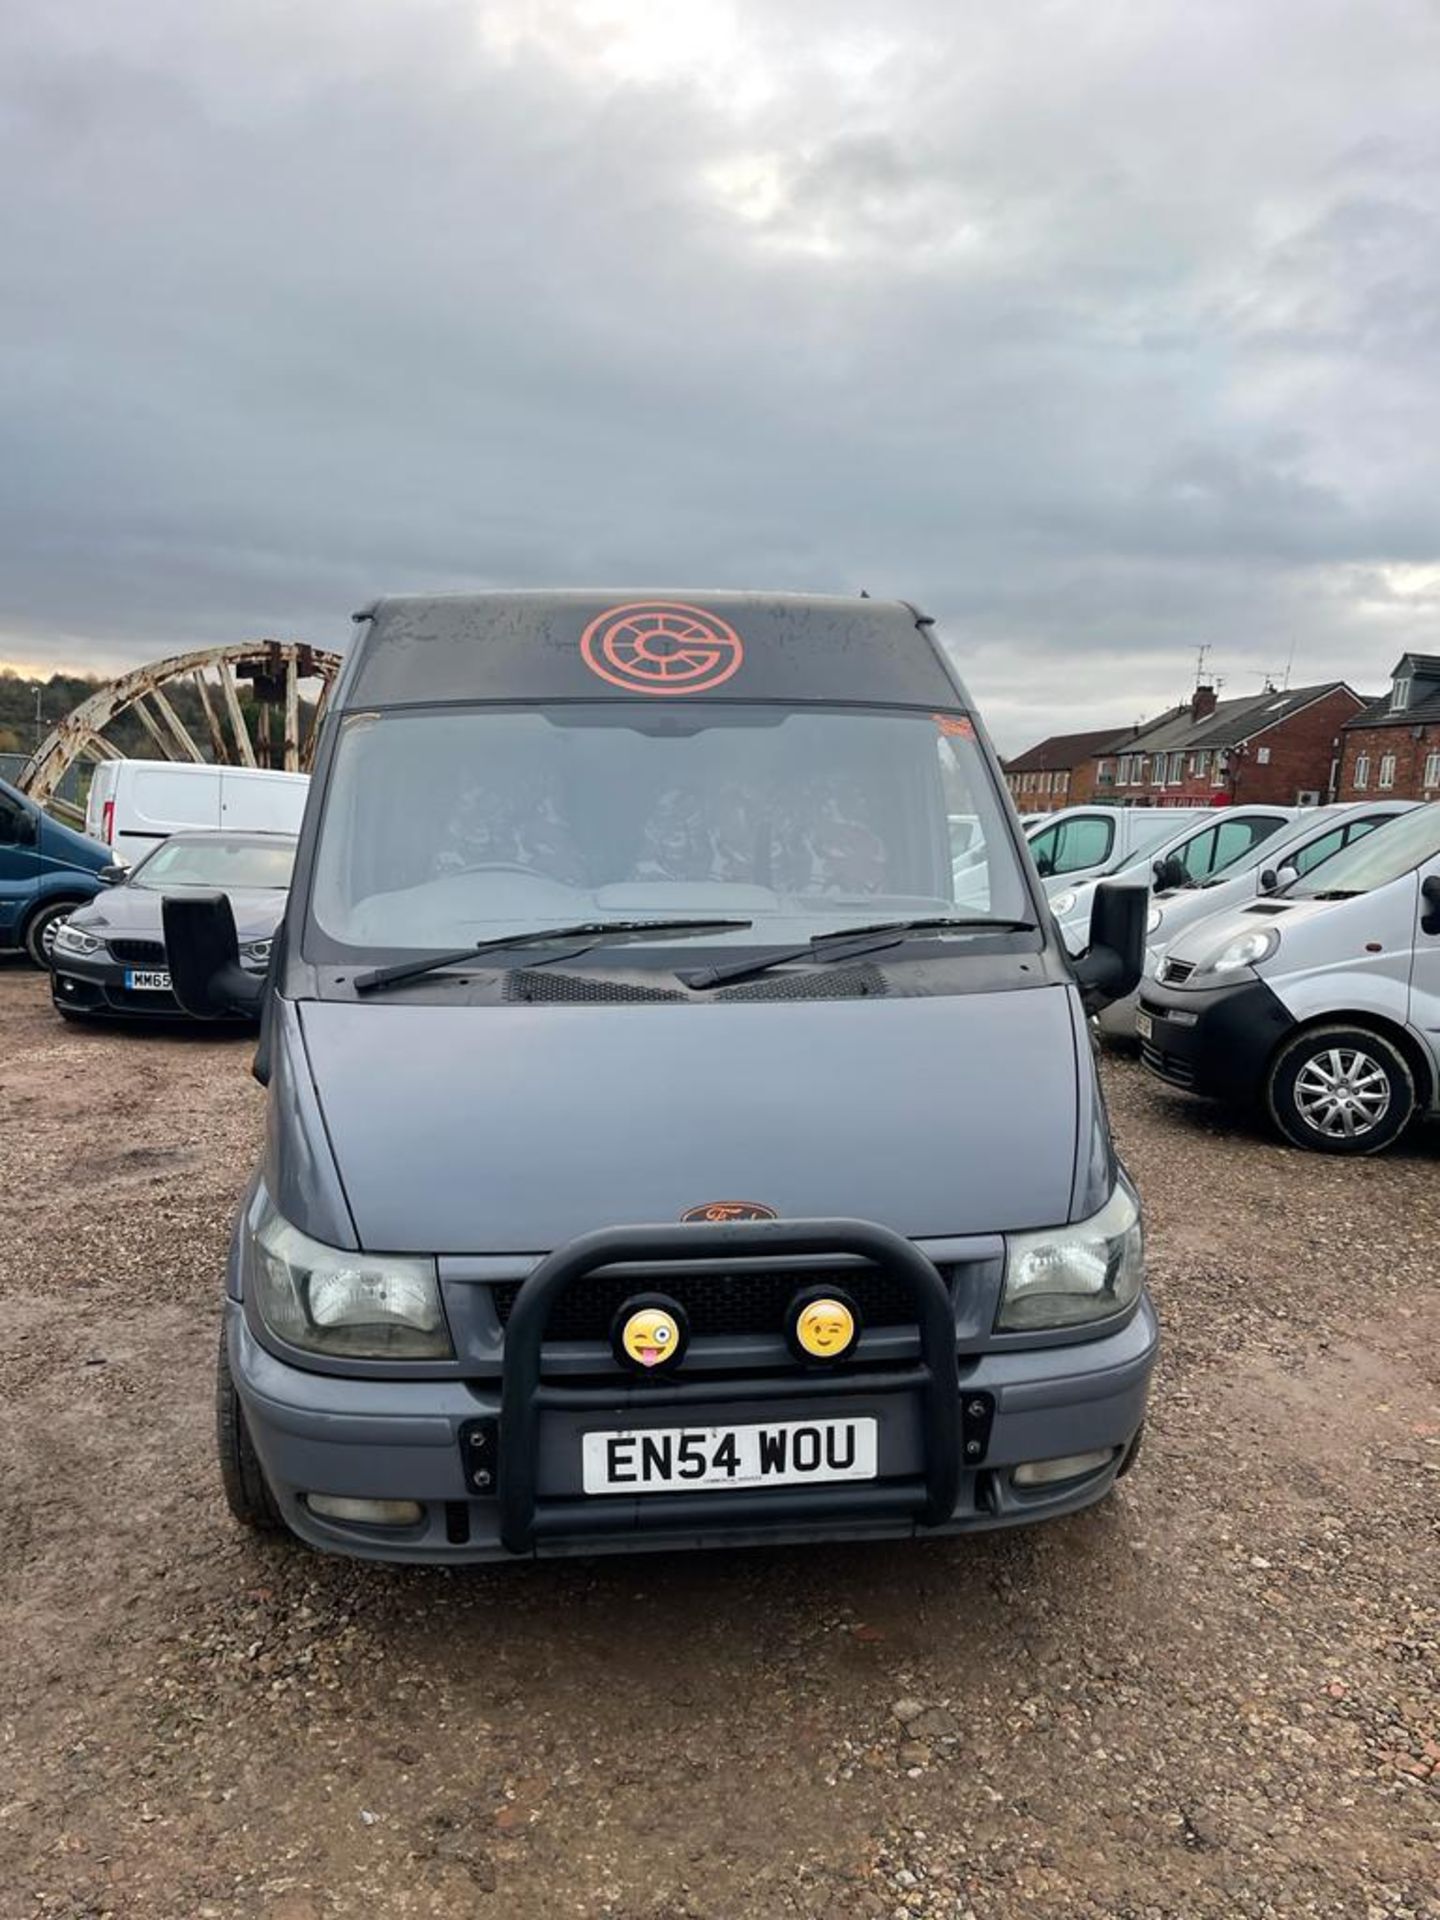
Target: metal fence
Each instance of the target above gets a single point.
(72, 787)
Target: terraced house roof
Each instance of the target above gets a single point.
(1229, 724)
(1061, 752)
(1422, 670)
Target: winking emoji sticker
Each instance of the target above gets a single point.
(649, 1333)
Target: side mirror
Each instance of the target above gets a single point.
(1112, 965)
(203, 953)
(1170, 873)
(1269, 880)
(1430, 893)
(112, 876)
(27, 830)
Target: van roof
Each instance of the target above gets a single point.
(187, 769)
(595, 645)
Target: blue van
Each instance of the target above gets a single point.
(46, 871)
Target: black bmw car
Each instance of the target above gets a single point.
(109, 956)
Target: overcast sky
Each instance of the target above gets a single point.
(1102, 330)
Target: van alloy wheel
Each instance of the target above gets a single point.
(48, 933)
(1341, 1089)
(42, 927)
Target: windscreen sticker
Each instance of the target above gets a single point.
(661, 646)
(954, 726)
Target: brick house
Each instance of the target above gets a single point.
(1392, 748)
(1275, 747)
(1060, 772)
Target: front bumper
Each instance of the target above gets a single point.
(402, 1440)
(1216, 1041)
(95, 984)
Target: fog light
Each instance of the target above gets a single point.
(1178, 1017)
(1070, 1466)
(366, 1513)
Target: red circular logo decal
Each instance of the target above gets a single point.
(718, 1212)
(661, 646)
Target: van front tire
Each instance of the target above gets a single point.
(247, 1492)
(42, 926)
(1341, 1089)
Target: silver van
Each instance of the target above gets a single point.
(1322, 1005)
(657, 1153)
(1269, 866)
(1082, 843)
(1196, 851)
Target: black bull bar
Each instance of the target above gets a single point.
(928, 1499)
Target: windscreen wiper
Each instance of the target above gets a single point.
(848, 943)
(1335, 893)
(586, 930)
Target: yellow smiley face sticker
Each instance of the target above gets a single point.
(825, 1329)
(651, 1337)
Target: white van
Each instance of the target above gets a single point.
(135, 804)
(1269, 867)
(1323, 1005)
(1197, 850)
(1079, 843)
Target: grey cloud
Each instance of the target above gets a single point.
(1103, 331)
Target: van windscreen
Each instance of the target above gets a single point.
(447, 826)
(1397, 847)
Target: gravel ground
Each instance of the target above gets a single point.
(1215, 1695)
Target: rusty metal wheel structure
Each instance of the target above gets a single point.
(288, 685)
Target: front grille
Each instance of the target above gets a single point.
(139, 953)
(1174, 971)
(740, 1300)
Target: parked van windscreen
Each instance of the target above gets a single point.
(446, 826)
(1406, 843)
(1212, 847)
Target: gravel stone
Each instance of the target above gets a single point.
(1215, 1697)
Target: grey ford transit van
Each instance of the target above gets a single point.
(658, 1152)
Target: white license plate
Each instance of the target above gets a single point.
(674, 1459)
(139, 981)
(1144, 1025)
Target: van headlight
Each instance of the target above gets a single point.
(1067, 1276)
(1248, 951)
(69, 939)
(1153, 922)
(351, 1305)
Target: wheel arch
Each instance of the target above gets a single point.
(1398, 1035)
(60, 896)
